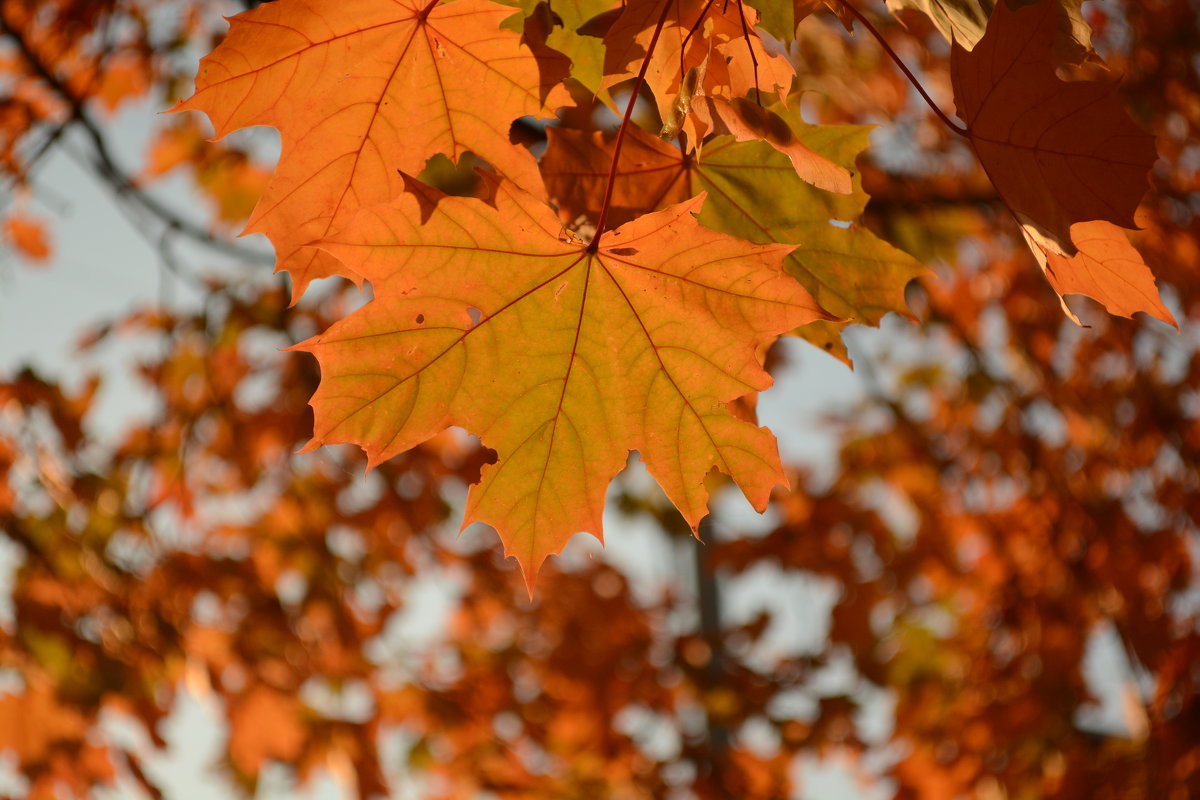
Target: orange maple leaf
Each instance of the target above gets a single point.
(1058, 152)
(559, 356)
(361, 89)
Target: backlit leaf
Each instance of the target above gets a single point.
(560, 359)
(737, 62)
(781, 18)
(359, 90)
(1073, 42)
(1106, 268)
(960, 21)
(1058, 152)
(754, 194)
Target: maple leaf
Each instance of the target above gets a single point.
(746, 121)
(755, 194)
(1058, 152)
(101, 623)
(359, 90)
(560, 357)
(964, 22)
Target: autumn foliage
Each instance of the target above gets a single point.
(580, 229)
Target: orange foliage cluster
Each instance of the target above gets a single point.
(1012, 486)
(560, 345)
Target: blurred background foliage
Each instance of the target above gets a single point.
(1011, 493)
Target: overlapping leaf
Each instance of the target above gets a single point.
(965, 21)
(961, 21)
(753, 193)
(746, 121)
(718, 39)
(1073, 37)
(1058, 152)
(568, 33)
(563, 357)
(780, 17)
(560, 358)
(1106, 268)
(361, 89)
(1065, 156)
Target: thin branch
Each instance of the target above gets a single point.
(105, 165)
(39, 152)
(750, 50)
(172, 266)
(951, 124)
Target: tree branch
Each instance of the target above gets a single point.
(105, 165)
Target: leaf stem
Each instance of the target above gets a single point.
(951, 124)
(750, 49)
(691, 31)
(594, 245)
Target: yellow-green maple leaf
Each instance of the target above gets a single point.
(753, 193)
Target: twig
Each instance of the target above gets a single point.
(691, 32)
(104, 164)
(750, 50)
(594, 245)
(951, 124)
